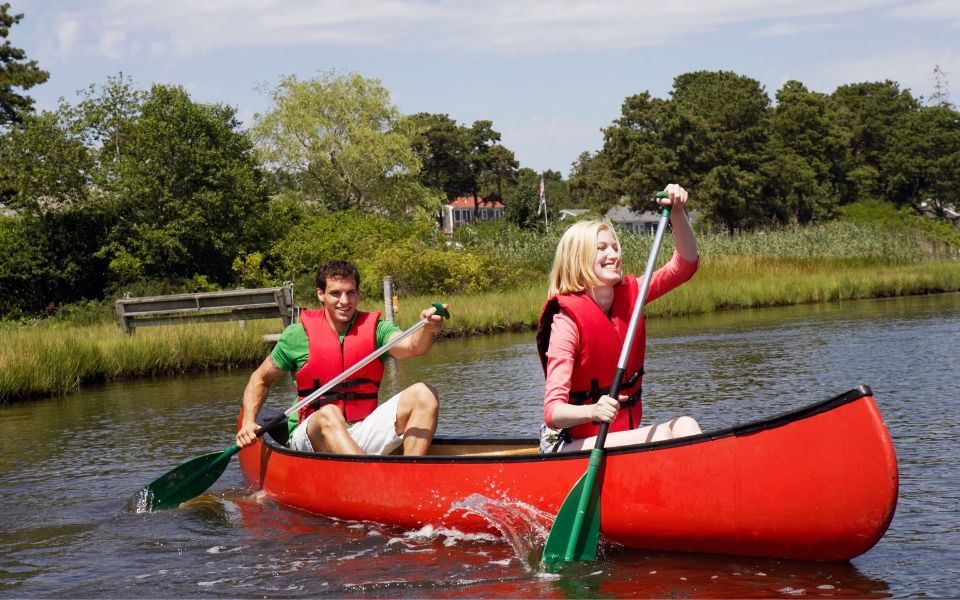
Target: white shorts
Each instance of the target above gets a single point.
(377, 434)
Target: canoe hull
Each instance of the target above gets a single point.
(819, 483)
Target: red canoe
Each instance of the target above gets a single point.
(817, 483)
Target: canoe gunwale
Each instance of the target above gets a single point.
(744, 429)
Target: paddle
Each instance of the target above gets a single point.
(576, 530)
(193, 478)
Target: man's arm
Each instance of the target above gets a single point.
(254, 395)
(420, 342)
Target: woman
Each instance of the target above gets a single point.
(581, 332)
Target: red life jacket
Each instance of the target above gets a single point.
(327, 358)
(601, 340)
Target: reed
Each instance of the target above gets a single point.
(833, 262)
(43, 360)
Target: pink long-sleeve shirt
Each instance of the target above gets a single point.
(565, 339)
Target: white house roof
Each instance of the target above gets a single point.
(623, 214)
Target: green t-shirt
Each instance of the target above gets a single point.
(292, 349)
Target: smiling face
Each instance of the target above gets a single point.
(339, 301)
(606, 265)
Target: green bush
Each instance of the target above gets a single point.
(419, 269)
(351, 235)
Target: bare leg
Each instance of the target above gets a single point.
(417, 411)
(327, 430)
(684, 426)
(679, 427)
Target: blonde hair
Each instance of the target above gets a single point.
(573, 261)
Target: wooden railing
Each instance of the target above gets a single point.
(230, 305)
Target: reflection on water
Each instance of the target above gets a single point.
(69, 465)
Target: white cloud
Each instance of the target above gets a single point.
(67, 33)
(940, 10)
(912, 69)
(111, 43)
(507, 26)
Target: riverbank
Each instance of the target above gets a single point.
(48, 358)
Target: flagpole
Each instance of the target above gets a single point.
(543, 203)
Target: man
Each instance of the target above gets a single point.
(323, 345)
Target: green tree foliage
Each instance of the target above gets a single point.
(44, 165)
(592, 184)
(877, 117)
(48, 259)
(102, 120)
(481, 137)
(186, 197)
(714, 120)
(444, 152)
(805, 157)
(349, 235)
(927, 169)
(501, 172)
(342, 145)
(521, 207)
(15, 72)
(460, 160)
(636, 155)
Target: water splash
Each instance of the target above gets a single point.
(525, 527)
(141, 502)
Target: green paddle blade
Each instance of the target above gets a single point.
(569, 535)
(187, 481)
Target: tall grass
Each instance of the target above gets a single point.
(835, 261)
(46, 360)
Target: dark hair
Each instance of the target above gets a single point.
(337, 269)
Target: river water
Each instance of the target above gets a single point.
(69, 465)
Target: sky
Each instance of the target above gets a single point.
(549, 74)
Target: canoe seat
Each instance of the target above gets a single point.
(280, 433)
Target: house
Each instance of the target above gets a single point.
(637, 222)
(460, 211)
(928, 209)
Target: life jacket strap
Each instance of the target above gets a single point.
(334, 395)
(593, 394)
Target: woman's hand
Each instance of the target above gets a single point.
(676, 196)
(605, 409)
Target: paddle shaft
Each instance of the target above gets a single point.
(343, 376)
(596, 455)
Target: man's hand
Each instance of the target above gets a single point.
(247, 434)
(434, 321)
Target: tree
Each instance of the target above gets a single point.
(592, 183)
(712, 130)
(501, 172)
(187, 195)
(15, 72)
(927, 169)
(874, 116)
(343, 145)
(444, 151)
(43, 165)
(481, 137)
(520, 206)
(102, 120)
(806, 152)
(635, 157)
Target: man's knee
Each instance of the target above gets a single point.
(424, 395)
(327, 416)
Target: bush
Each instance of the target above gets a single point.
(418, 269)
(350, 235)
